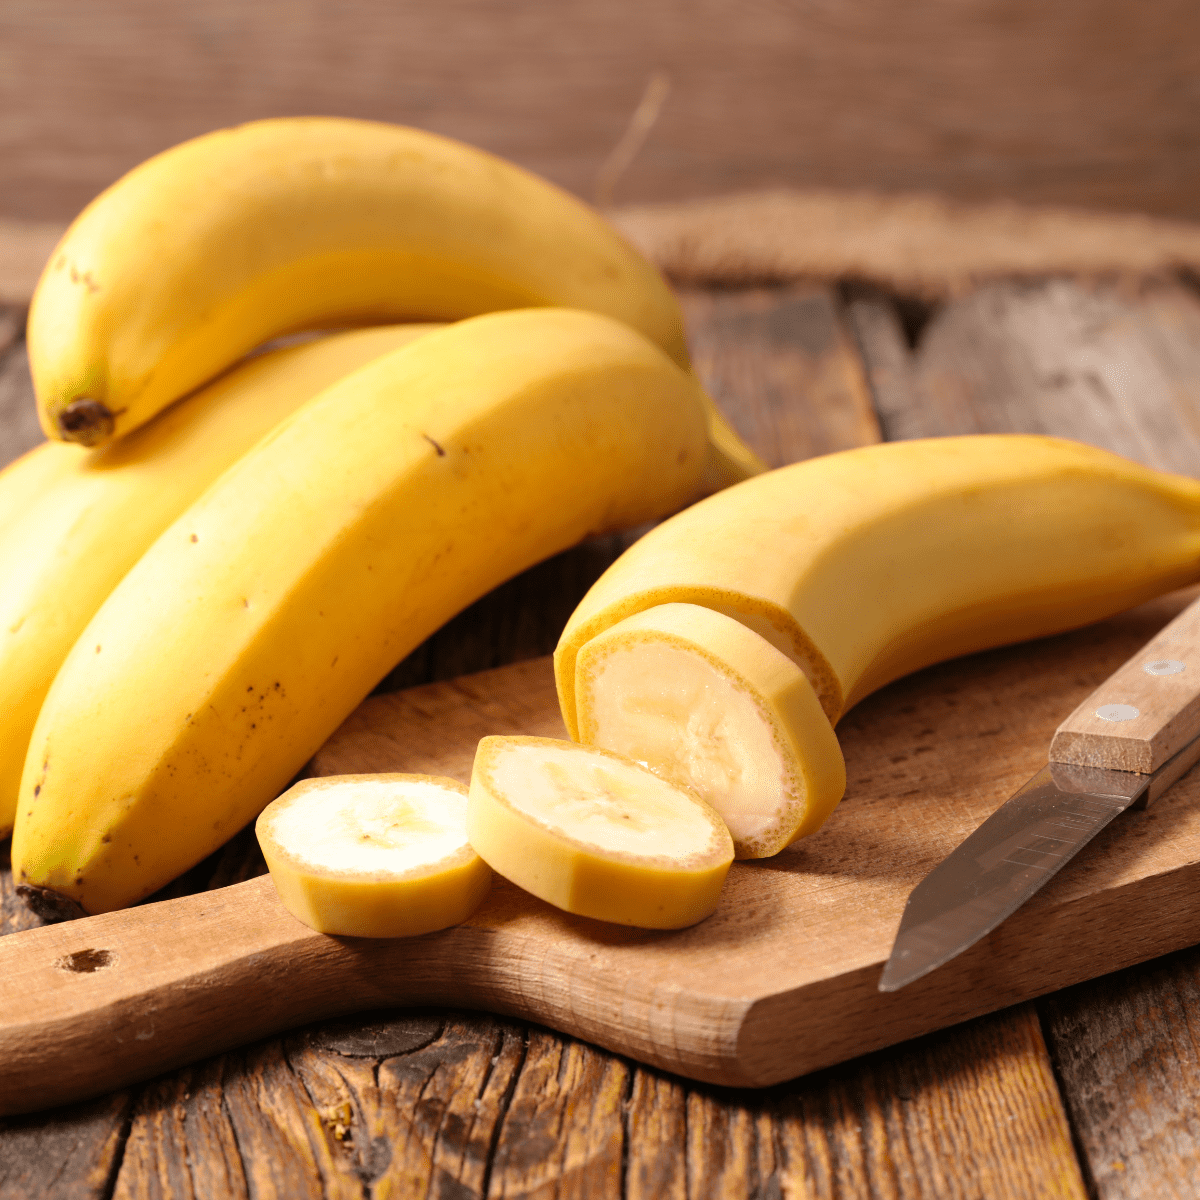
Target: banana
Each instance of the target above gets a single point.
(210, 248)
(24, 480)
(373, 855)
(596, 834)
(88, 516)
(269, 609)
(708, 704)
(866, 565)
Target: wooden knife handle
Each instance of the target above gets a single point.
(1145, 712)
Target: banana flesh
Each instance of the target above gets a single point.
(79, 520)
(701, 700)
(868, 564)
(258, 620)
(373, 855)
(595, 834)
(219, 244)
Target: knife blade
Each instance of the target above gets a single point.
(1125, 745)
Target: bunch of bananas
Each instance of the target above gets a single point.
(198, 591)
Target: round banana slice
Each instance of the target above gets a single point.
(707, 703)
(595, 834)
(373, 855)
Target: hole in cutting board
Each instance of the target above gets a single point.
(84, 962)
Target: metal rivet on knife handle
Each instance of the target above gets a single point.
(1104, 731)
(1164, 666)
(1117, 712)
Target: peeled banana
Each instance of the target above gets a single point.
(212, 247)
(259, 619)
(595, 834)
(708, 704)
(373, 855)
(866, 565)
(79, 520)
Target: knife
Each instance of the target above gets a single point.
(1125, 745)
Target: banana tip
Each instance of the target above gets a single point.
(50, 905)
(85, 421)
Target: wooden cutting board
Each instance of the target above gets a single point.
(780, 981)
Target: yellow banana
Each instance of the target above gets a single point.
(272, 606)
(214, 246)
(89, 516)
(24, 480)
(595, 834)
(865, 565)
(373, 855)
(712, 706)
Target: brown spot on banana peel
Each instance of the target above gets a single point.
(48, 904)
(86, 421)
(84, 277)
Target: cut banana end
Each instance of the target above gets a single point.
(707, 703)
(373, 855)
(595, 834)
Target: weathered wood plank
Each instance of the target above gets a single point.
(25, 246)
(780, 362)
(1072, 102)
(19, 428)
(12, 325)
(1127, 1051)
(180, 1141)
(74, 1155)
(14, 915)
(888, 366)
(1114, 365)
(959, 1114)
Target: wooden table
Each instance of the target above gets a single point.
(1088, 1092)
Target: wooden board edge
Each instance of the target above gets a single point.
(807, 1028)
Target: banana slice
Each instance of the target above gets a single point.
(595, 834)
(373, 855)
(708, 704)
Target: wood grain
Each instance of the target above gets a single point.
(883, 341)
(1114, 365)
(25, 246)
(19, 428)
(1125, 1049)
(1072, 102)
(76, 1154)
(418, 1104)
(781, 358)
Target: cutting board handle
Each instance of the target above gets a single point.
(1144, 713)
(92, 1005)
